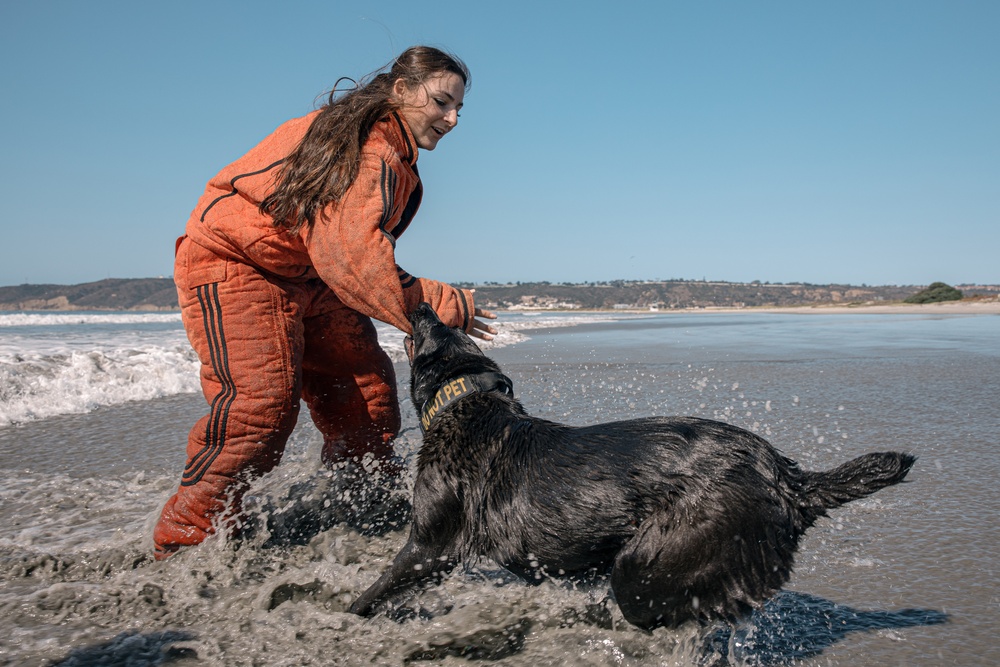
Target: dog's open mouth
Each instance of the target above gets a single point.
(408, 346)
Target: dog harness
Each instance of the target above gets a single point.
(459, 388)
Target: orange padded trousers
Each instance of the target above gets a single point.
(264, 344)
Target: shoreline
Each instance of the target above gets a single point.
(964, 307)
(968, 307)
(978, 307)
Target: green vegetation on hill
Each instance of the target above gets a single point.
(934, 293)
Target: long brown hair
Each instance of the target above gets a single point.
(324, 165)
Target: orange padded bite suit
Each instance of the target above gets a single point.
(276, 317)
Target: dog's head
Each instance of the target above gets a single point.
(439, 354)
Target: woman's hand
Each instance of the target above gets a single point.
(481, 329)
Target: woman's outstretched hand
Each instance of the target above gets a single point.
(482, 329)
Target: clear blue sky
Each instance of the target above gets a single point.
(849, 141)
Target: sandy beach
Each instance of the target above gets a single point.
(964, 307)
(967, 307)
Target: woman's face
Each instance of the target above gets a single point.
(431, 108)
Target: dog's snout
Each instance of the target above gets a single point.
(422, 312)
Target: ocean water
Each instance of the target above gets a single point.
(95, 409)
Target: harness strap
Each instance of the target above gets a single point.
(459, 388)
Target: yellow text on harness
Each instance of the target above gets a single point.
(450, 392)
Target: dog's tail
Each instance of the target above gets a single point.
(855, 479)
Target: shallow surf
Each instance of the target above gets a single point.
(905, 577)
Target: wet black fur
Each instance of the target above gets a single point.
(694, 519)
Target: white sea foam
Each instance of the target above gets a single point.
(70, 318)
(71, 363)
(37, 386)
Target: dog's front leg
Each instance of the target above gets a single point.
(412, 564)
(432, 544)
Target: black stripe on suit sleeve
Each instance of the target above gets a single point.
(405, 279)
(232, 184)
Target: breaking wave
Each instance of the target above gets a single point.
(72, 363)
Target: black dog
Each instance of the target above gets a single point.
(694, 519)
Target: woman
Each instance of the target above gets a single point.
(285, 260)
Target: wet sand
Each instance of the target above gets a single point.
(964, 307)
(945, 308)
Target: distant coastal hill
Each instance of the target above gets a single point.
(112, 294)
(158, 294)
(686, 294)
